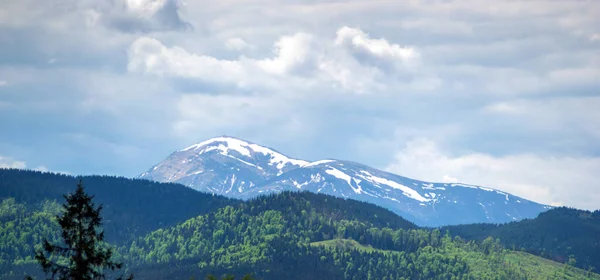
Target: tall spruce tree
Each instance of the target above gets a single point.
(82, 255)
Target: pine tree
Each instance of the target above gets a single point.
(83, 255)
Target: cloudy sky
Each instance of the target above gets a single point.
(499, 93)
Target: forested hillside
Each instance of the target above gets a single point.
(167, 231)
(290, 236)
(559, 234)
(132, 207)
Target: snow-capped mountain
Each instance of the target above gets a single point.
(240, 169)
(222, 165)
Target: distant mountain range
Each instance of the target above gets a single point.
(241, 169)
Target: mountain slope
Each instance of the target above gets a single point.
(293, 236)
(240, 169)
(130, 207)
(555, 234)
(429, 204)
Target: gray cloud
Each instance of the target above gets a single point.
(112, 87)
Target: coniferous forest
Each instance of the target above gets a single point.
(168, 231)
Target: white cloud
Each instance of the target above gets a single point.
(7, 162)
(448, 179)
(148, 55)
(144, 8)
(143, 15)
(547, 179)
(151, 56)
(3, 83)
(381, 48)
(45, 169)
(237, 44)
(291, 52)
(300, 62)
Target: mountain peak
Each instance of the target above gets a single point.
(216, 140)
(226, 144)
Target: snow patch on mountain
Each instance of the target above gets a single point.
(463, 185)
(318, 162)
(340, 175)
(243, 161)
(382, 181)
(476, 187)
(430, 186)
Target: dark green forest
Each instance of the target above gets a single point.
(557, 234)
(131, 207)
(168, 231)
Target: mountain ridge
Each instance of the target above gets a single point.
(241, 169)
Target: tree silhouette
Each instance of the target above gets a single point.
(83, 255)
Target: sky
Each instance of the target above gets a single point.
(504, 94)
